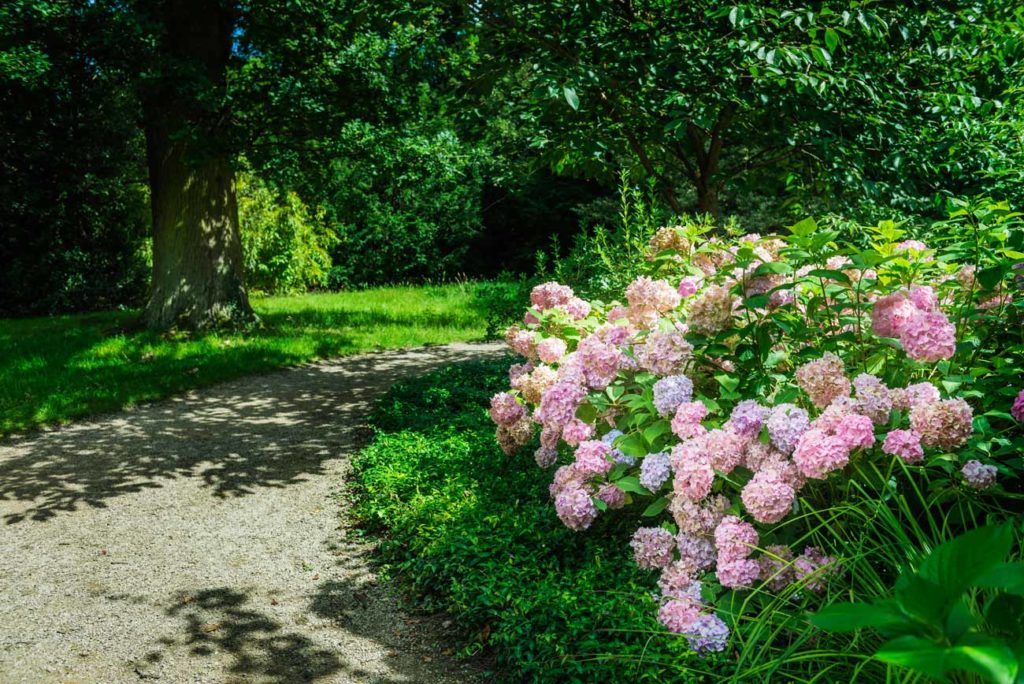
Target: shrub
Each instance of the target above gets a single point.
(468, 529)
(719, 395)
(285, 244)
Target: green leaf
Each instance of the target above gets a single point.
(632, 485)
(915, 653)
(656, 507)
(656, 430)
(847, 617)
(985, 656)
(1008, 577)
(804, 228)
(632, 445)
(957, 563)
(571, 97)
(831, 39)
(728, 382)
(991, 276)
(829, 274)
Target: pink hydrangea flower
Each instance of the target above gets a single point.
(686, 422)
(652, 547)
(698, 519)
(945, 424)
(575, 508)
(915, 245)
(747, 418)
(724, 449)
(768, 497)
(924, 298)
(693, 472)
(600, 361)
(829, 419)
(618, 313)
(550, 295)
(688, 286)
(1017, 410)
(918, 393)
(711, 312)
(678, 615)
(738, 573)
(657, 295)
(611, 495)
(929, 337)
(856, 432)
(593, 457)
(559, 402)
(522, 342)
(813, 568)
(904, 443)
(824, 379)
(677, 581)
(817, 454)
(577, 431)
(890, 314)
(734, 539)
(551, 349)
(577, 309)
(873, 398)
(664, 353)
(505, 410)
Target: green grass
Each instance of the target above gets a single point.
(55, 369)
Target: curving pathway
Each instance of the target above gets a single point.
(198, 539)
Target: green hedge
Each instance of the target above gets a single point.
(472, 531)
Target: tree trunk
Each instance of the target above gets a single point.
(707, 198)
(197, 251)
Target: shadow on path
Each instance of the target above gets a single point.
(269, 431)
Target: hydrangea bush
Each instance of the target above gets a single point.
(738, 376)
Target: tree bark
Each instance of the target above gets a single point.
(197, 252)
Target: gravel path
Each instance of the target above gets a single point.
(199, 540)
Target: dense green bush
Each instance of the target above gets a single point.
(472, 531)
(285, 243)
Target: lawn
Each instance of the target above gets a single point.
(55, 369)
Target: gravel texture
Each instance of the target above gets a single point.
(199, 540)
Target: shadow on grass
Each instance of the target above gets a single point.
(266, 431)
(60, 368)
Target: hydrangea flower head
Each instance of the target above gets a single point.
(824, 379)
(945, 424)
(1017, 410)
(977, 475)
(768, 496)
(664, 353)
(708, 633)
(737, 573)
(817, 454)
(505, 410)
(611, 495)
(929, 337)
(657, 295)
(813, 568)
(686, 422)
(549, 295)
(786, 423)
(652, 547)
(904, 443)
(575, 508)
(747, 418)
(678, 615)
(856, 432)
(891, 313)
(670, 392)
(654, 471)
(545, 457)
(734, 538)
(695, 553)
(593, 458)
(711, 312)
(551, 349)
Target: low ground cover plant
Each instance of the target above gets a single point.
(747, 390)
